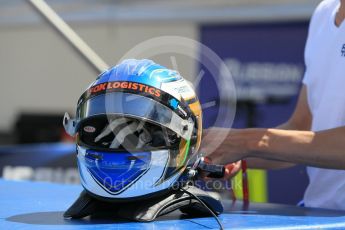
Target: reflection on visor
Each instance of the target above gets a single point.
(121, 133)
(135, 106)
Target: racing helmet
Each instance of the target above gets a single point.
(138, 129)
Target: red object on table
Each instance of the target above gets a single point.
(245, 188)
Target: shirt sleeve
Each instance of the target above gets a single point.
(314, 21)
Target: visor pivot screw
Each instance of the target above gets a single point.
(192, 173)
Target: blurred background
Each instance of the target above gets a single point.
(42, 75)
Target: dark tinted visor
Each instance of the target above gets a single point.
(124, 134)
(136, 107)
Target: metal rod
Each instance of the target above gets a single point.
(72, 37)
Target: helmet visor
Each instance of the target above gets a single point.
(112, 132)
(134, 106)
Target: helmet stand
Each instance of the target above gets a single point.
(149, 209)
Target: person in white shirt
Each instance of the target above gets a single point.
(315, 133)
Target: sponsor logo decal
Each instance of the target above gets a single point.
(165, 96)
(89, 129)
(175, 105)
(125, 85)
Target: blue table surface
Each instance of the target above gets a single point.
(36, 205)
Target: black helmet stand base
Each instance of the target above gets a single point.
(150, 209)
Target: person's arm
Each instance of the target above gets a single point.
(325, 149)
(300, 120)
(260, 163)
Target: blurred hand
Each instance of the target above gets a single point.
(225, 146)
(231, 170)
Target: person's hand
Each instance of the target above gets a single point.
(225, 146)
(231, 170)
